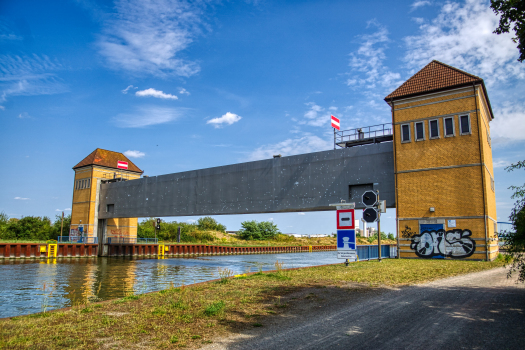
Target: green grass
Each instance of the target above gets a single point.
(192, 315)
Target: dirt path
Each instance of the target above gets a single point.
(482, 310)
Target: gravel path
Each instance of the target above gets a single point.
(481, 310)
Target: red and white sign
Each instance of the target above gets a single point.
(345, 219)
(122, 165)
(335, 123)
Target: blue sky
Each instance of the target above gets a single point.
(187, 85)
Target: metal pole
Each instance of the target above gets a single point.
(334, 138)
(378, 230)
(62, 225)
(178, 235)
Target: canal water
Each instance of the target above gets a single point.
(29, 286)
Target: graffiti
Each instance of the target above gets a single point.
(453, 244)
(407, 233)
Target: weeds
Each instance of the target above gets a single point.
(215, 308)
(225, 274)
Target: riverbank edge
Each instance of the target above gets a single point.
(158, 291)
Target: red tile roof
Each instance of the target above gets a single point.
(434, 76)
(107, 159)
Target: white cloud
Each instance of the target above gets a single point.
(155, 93)
(183, 91)
(24, 115)
(21, 198)
(462, 36)
(500, 163)
(191, 221)
(2, 108)
(315, 116)
(270, 219)
(147, 36)
(125, 91)
(419, 3)
(146, 116)
(368, 70)
(29, 76)
(134, 154)
(306, 144)
(332, 108)
(67, 209)
(301, 213)
(508, 125)
(228, 118)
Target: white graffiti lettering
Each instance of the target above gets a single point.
(453, 243)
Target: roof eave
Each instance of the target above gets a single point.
(107, 167)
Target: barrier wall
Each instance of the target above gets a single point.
(203, 249)
(34, 250)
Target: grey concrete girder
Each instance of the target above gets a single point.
(305, 182)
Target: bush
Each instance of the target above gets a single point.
(32, 227)
(391, 236)
(258, 231)
(209, 223)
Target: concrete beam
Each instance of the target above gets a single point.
(305, 182)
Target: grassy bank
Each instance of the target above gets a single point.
(194, 315)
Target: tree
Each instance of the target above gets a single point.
(516, 238)
(210, 224)
(253, 230)
(512, 13)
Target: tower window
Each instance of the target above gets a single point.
(464, 124)
(405, 133)
(433, 126)
(420, 131)
(449, 126)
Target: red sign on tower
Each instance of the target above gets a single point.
(335, 123)
(122, 165)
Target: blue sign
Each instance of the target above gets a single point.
(346, 240)
(81, 228)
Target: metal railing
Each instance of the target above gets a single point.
(76, 239)
(369, 252)
(358, 134)
(128, 240)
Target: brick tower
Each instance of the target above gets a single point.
(100, 165)
(445, 199)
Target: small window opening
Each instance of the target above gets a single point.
(420, 131)
(110, 208)
(464, 123)
(434, 128)
(449, 126)
(405, 133)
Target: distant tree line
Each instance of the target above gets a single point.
(190, 233)
(32, 228)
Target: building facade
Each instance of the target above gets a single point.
(101, 165)
(445, 196)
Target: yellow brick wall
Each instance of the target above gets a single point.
(455, 192)
(409, 228)
(84, 208)
(452, 192)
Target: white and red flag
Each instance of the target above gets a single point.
(335, 123)
(122, 165)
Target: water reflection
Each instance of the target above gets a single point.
(29, 286)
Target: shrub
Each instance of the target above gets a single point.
(253, 230)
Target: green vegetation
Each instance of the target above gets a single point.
(32, 228)
(515, 240)
(258, 231)
(512, 13)
(190, 316)
(190, 233)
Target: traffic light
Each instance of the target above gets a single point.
(370, 215)
(369, 199)
(158, 224)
